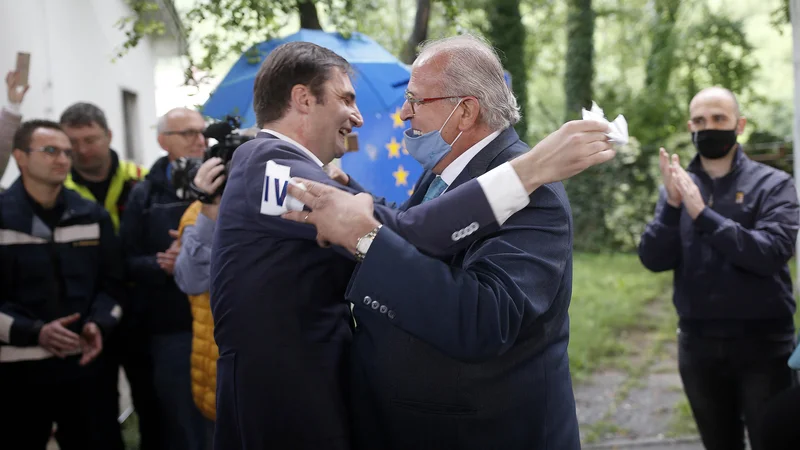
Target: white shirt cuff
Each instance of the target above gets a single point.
(14, 108)
(504, 191)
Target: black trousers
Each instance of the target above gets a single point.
(128, 347)
(729, 382)
(780, 424)
(35, 394)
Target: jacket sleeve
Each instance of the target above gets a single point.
(475, 310)
(193, 267)
(439, 227)
(764, 249)
(660, 246)
(106, 309)
(9, 122)
(142, 267)
(16, 327)
(354, 185)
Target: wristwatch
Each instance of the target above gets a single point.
(364, 242)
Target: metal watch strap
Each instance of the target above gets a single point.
(371, 235)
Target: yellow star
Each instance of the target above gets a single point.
(394, 148)
(400, 176)
(410, 192)
(398, 121)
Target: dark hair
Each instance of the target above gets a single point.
(83, 115)
(24, 134)
(288, 65)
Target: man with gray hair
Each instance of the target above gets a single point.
(468, 351)
(148, 235)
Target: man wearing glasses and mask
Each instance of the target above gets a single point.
(148, 232)
(60, 282)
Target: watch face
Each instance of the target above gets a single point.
(363, 244)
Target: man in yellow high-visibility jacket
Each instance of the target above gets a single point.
(98, 174)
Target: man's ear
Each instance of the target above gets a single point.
(21, 158)
(741, 124)
(469, 117)
(302, 98)
(162, 141)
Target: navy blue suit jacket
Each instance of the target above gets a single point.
(281, 320)
(469, 352)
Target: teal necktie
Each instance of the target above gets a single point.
(435, 189)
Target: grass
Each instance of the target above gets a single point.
(609, 297)
(682, 422)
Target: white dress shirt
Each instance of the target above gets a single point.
(295, 143)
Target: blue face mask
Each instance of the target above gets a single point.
(430, 148)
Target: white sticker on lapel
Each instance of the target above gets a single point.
(275, 198)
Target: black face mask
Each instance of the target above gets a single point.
(714, 144)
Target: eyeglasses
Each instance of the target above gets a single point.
(53, 152)
(421, 101)
(186, 134)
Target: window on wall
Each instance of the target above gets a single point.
(130, 115)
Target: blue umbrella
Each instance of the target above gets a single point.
(381, 165)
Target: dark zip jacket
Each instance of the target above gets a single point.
(731, 276)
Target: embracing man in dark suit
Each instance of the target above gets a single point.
(467, 351)
(281, 320)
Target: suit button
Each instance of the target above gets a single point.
(383, 309)
(391, 314)
(367, 300)
(375, 304)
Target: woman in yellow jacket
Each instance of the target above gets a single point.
(191, 275)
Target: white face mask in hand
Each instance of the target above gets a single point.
(618, 129)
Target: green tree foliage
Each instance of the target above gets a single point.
(508, 34)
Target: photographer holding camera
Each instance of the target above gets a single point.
(192, 272)
(148, 233)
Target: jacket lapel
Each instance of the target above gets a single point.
(483, 160)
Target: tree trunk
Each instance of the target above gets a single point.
(507, 33)
(309, 19)
(420, 32)
(660, 63)
(580, 55)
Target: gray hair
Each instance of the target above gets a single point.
(161, 125)
(472, 67)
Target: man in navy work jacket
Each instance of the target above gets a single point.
(467, 351)
(726, 227)
(61, 275)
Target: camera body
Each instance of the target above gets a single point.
(185, 169)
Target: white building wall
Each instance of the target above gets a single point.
(72, 44)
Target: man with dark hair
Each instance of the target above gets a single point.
(280, 318)
(98, 175)
(59, 288)
(727, 227)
